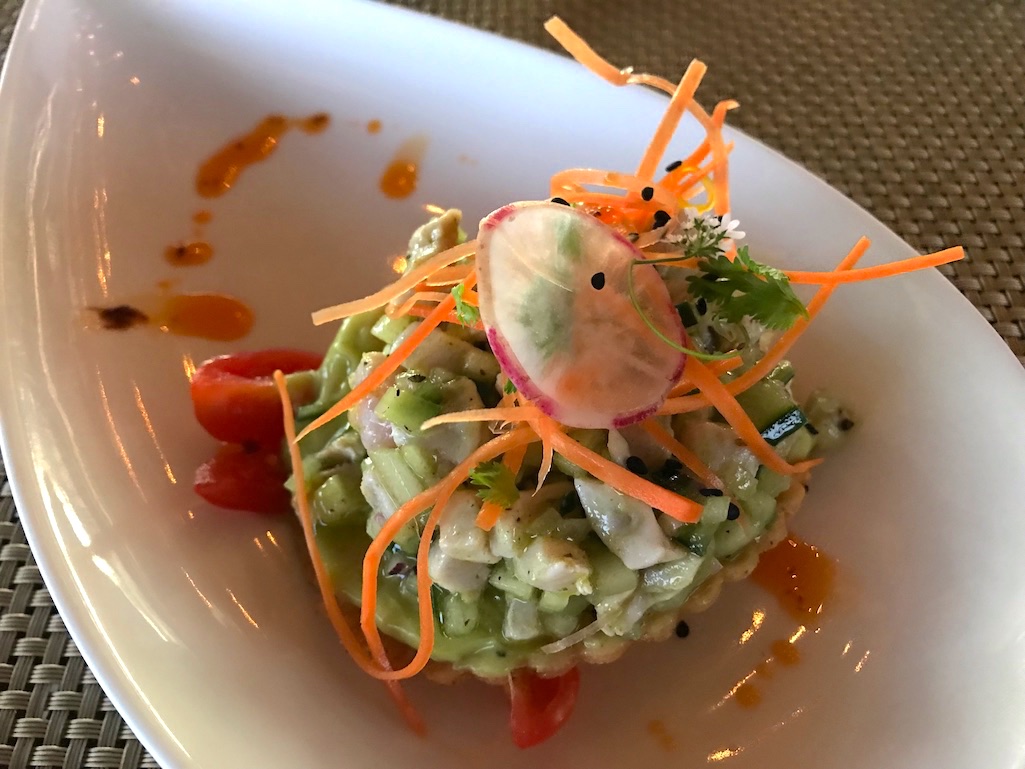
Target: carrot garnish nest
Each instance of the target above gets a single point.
(582, 413)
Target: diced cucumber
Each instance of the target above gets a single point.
(783, 372)
(697, 537)
(609, 575)
(560, 624)
(554, 601)
(388, 329)
(673, 577)
(765, 402)
(761, 509)
(410, 405)
(732, 536)
(797, 446)
(444, 351)
(339, 500)
(401, 483)
(771, 482)
(502, 578)
(786, 425)
(420, 461)
(553, 524)
(459, 615)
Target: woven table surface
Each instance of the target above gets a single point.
(913, 108)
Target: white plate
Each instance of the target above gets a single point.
(200, 624)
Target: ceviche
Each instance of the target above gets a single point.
(551, 440)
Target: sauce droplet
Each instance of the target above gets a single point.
(202, 217)
(747, 695)
(658, 730)
(400, 178)
(785, 653)
(374, 126)
(221, 170)
(120, 317)
(208, 316)
(315, 124)
(799, 576)
(189, 254)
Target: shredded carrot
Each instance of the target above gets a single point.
(490, 511)
(619, 478)
(345, 634)
(448, 276)
(717, 367)
(438, 495)
(741, 423)
(688, 458)
(572, 180)
(390, 364)
(510, 414)
(833, 277)
(412, 300)
(681, 97)
(396, 289)
(547, 454)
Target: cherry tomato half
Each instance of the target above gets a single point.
(234, 395)
(238, 479)
(540, 706)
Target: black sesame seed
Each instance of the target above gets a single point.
(561, 201)
(417, 378)
(596, 213)
(682, 629)
(598, 281)
(647, 193)
(812, 429)
(733, 513)
(250, 447)
(661, 219)
(846, 424)
(710, 492)
(632, 237)
(672, 466)
(673, 166)
(636, 465)
(500, 653)
(701, 306)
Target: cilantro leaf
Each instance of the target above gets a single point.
(508, 388)
(496, 483)
(467, 313)
(746, 288)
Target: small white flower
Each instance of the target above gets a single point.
(728, 228)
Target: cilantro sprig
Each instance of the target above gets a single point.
(746, 288)
(495, 483)
(466, 313)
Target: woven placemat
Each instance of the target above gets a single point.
(913, 108)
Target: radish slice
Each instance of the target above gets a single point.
(552, 282)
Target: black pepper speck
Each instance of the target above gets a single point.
(682, 629)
